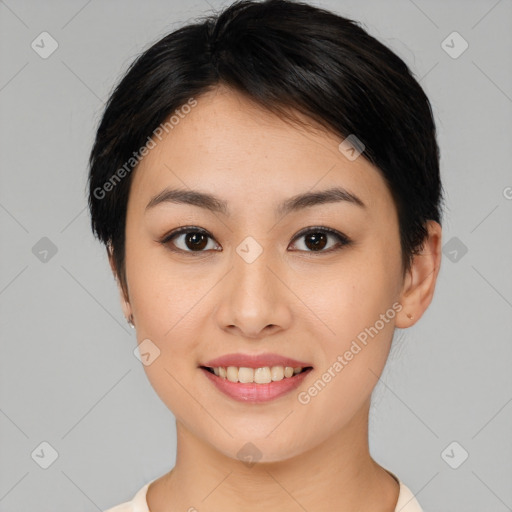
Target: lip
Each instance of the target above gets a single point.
(254, 361)
(256, 393)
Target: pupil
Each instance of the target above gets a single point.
(314, 241)
(318, 240)
(194, 238)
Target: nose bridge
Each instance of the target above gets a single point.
(253, 280)
(254, 298)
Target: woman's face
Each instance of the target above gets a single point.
(255, 285)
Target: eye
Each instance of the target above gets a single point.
(195, 239)
(316, 239)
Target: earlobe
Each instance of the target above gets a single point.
(420, 281)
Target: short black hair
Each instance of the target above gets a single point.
(287, 57)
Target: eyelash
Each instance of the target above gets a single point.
(343, 240)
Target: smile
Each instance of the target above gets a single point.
(262, 375)
(255, 384)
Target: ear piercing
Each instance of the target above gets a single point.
(409, 315)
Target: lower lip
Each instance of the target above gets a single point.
(256, 393)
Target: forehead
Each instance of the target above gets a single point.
(228, 146)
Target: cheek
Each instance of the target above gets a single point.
(166, 305)
(358, 306)
(162, 294)
(352, 360)
(364, 283)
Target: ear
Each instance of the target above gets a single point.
(420, 281)
(123, 296)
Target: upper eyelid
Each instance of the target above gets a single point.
(186, 229)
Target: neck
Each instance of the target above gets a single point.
(337, 474)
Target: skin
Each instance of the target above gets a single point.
(291, 300)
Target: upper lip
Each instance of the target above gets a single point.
(254, 361)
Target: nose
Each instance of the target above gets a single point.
(254, 300)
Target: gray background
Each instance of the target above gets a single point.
(68, 374)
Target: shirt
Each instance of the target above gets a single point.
(406, 500)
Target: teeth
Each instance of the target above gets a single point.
(262, 375)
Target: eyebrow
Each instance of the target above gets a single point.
(217, 205)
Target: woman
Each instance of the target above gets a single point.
(267, 184)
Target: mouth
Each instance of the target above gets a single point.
(255, 385)
(262, 375)
(255, 378)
